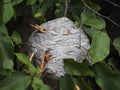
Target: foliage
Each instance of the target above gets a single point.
(117, 44)
(100, 47)
(16, 70)
(6, 49)
(80, 69)
(105, 76)
(15, 81)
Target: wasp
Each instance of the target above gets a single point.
(39, 28)
(68, 31)
(45, 59)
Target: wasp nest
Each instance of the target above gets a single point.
(59, 39)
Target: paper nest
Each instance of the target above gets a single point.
(63, 40)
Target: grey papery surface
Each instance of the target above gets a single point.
(60, 44)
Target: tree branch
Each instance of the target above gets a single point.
(116, 5)
(66, 8)
(84, 10)
(108, 18)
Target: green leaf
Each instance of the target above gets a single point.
(75, 68)
(46, 4)
(15, 2)
(2, 57)
(117, 44)
(100, 47)
(93, 5)
(106, 78)
(66, 83)
(6, 11)
(37, 15)
(38, 84)
(45, 87)
(25, 60)
(38, 71)
(93, 20)
(30, 2)
(15, 81)
(8, 64)
(5, 62)
(112, 62)
(82, 84)
(16, 38)
(6, 48)
(59, 12)
(58, 5)
(91, 31)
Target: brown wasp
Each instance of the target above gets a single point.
(45, 59)
(39, 28)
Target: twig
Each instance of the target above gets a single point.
(116, 5)
(77, 87)
(44, 60)
(32, 55)
(81, 23)
(100, 14)
(43, 74)
(66, 8)
(84, 10)
(111, 15)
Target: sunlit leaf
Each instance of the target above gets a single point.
(100, 47)
(76, 68)
(37, 15)
(106, 78)
(15, 81)
(117, 44)
(58, 5)
(66, 83)
(16, 38)
(25, 60)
